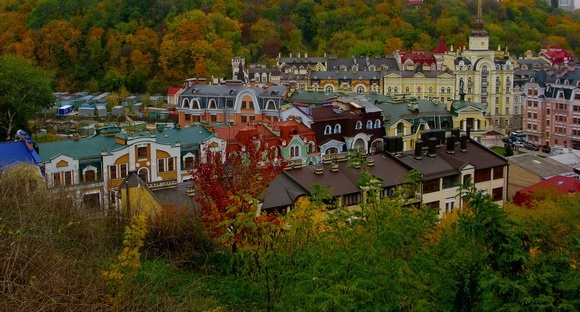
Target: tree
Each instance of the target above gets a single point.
(229, 191)
(24, 91)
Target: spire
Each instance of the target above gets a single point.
(478, 30)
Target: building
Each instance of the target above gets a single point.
(230, 103)
(442, 166)
(558, 185)
(552, 107)
(20, 168)
(528, 169)
(485, 76)
(91, 169)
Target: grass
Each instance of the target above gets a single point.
(501, 151)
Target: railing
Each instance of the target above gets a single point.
(162, 184)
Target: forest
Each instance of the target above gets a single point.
(149, 45)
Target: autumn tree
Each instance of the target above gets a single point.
(229, 191)
(24, 91)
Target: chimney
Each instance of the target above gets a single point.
(463, 146)
(440, 135)
(450, 145)
(201, 81)
(455, 134)
(318, 169)
(334, 166)
(419, 149)
(432, 145)
(398, 145)
(468, 132)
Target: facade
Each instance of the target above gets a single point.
(442, 167)
(91, 169)
(230, 103)
(293, 141)
(552, 107)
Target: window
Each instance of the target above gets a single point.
(328, 89)
(449, 182)
(497, 173)
(90, 175)
(369, 124)
(113, 172)
(188, 163)
(407, 89)
(431, 186)
(377, 124)
(170, 164)
(294, 151)
(311, 148)
(360, 89)
(449, 203)
(160, 165)
(123, 170)
(389, 89)
(396, 89)
(142, 152)
(56, 179)
(497, 193)
(337, 128)
(358, 125)
(482, 175)
(467, 179)
(328, 129)
(68, 178)
(448, 90)
(400, 128)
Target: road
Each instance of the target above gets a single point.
(491, 142)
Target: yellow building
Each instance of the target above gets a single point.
(135, 198)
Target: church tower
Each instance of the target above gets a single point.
(479, 40)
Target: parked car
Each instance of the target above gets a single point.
(519, 144)
(546, 149)
(531, 146)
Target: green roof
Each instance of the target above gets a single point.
(394, 111)
(92, 146)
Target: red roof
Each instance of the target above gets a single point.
(556, 54)
(172, 91)
(441, 47)
(562, 185)
(419, 58)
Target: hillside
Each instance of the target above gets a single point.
(149, 45)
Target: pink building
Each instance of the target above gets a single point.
(552, 107)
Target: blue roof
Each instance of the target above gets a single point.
(12, 153)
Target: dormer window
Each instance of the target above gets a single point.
(337, 128)
(327, 130)
(369, 124)
(377, 124)
(358, 125)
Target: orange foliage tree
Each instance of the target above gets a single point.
(229, 191)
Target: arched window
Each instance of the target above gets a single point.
(360, 89)
(212, 104)
(186, 103)
(484, 70)
(400, 128)
(419, 89)
(396, 89)
(448, 90)
(311, 147)
(369, 124)
(377, 124)
(461, 83)
(430, 89)
(195, 105)
(271, 105)
(407, 89)
(337, 128)
(389, 89)
(294, 151)
(358, 125)
(442, 89)
(327, 129)
(497, 84)
(508, 84)
(469, 84)
(328, 89)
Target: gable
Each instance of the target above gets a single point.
(62, 163)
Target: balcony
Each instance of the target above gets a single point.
(159, 185)
(327, 159)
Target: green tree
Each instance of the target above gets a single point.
(24, 91)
